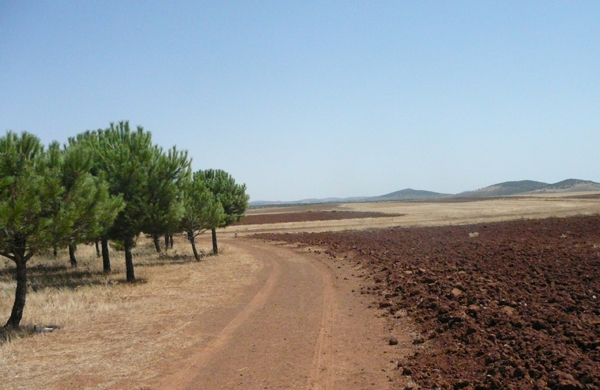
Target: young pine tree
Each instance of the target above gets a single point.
(89, 141)
(201, 210)
(232, 196)
(137, 173)
(84, 207)
(165, 206)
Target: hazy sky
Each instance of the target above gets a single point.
(302, 99)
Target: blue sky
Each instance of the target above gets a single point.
(302, 99)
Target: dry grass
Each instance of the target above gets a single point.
(113, 333)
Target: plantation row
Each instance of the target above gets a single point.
(110, 184)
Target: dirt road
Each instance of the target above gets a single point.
(302, 325)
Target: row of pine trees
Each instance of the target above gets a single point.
(109, 184)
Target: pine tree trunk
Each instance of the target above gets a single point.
(171, 241)
(193, 241)
(105, 256)
(72, 258)
(20, 293)
(54, 251)
(98, 254)
(166, 241)
(214, 240)
(155, 238)
(129, 259)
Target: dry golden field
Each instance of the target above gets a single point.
(112, 333)
(433, 213)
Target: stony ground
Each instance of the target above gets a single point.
(509, 305)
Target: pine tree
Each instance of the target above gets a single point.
(147, 181)
(165, 207)
(89, 141)
(85, 208)
(201, 210)
(24, 215)
(125, 157)
(232, 196)
(36, 208)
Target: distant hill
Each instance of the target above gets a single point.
(409, 194)
(570, 185)
(522, 187)
(406, 194)
(504, 189)
(264, 203)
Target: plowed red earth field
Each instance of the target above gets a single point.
(261, 219)
(510, 305)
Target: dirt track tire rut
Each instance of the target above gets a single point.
(321, 376)
(284, 335)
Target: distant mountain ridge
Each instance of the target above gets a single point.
(508, 188)
(505, 189)
(410, 194)
(524, 187)
(573, 185)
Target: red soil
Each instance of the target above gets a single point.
(515, 306)
(260, 219)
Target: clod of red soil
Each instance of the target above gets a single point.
(260, 219)
(516, 307)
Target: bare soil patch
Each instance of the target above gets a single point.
(305, 327)
(262, 219)
(509, 305)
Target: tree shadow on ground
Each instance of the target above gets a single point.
(42, 276)
(8, 335)
(63, 276)
(164, 259)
